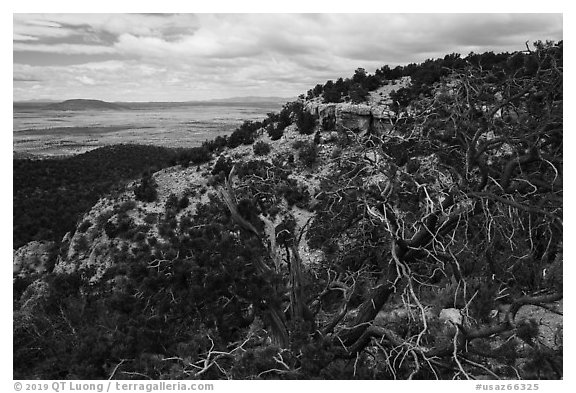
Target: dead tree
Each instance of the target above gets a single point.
(494, 148)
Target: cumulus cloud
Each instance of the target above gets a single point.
(187, 56)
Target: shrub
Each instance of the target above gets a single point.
(146, 191)
(171, 202)
(186, 222)
(166, 228)
(261, 148)
(216, 144)
(317, 90)
(126, 206)
(254, 167)
(285, 232)
(295, 193)
(84, 226)
(331, 95)
(317, 138)
(183, 203)
(223, 165)
(305, 122)
(274, 133)
(196, 155)
(140, 237)
(151, 218)
(245, 134)
(284, 118)
(308, 153)
(358, 93)
(81, 245)
(103, 218)
(402, 98)
(121, 228)
(296, 145)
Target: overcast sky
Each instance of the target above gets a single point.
(167, 57)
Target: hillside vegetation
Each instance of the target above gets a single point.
(327, 242)
(50, 195)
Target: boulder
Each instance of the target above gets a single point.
(451, 315)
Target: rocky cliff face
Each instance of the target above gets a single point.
(358, 118)
(372, 116)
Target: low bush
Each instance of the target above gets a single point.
(317, 138)
(146, 191)
(217, 144)
(223, 165)
(295, 193)
(245, 134)
(120, 228)
(261, 148)
(305, 122)
(151, 218)
(126, 206)
(183, 203)
(296, 145)
(274, 132)
(171, 203)
(308, 153)
(84, 226)
(195, 155)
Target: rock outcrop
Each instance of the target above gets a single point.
(358, 118)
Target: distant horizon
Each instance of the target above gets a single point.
(228, 99)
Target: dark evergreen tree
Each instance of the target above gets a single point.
(146, 190)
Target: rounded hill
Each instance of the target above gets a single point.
(84, 104)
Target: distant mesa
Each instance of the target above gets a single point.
(83, 104)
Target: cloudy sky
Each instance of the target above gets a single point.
(181, 57)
